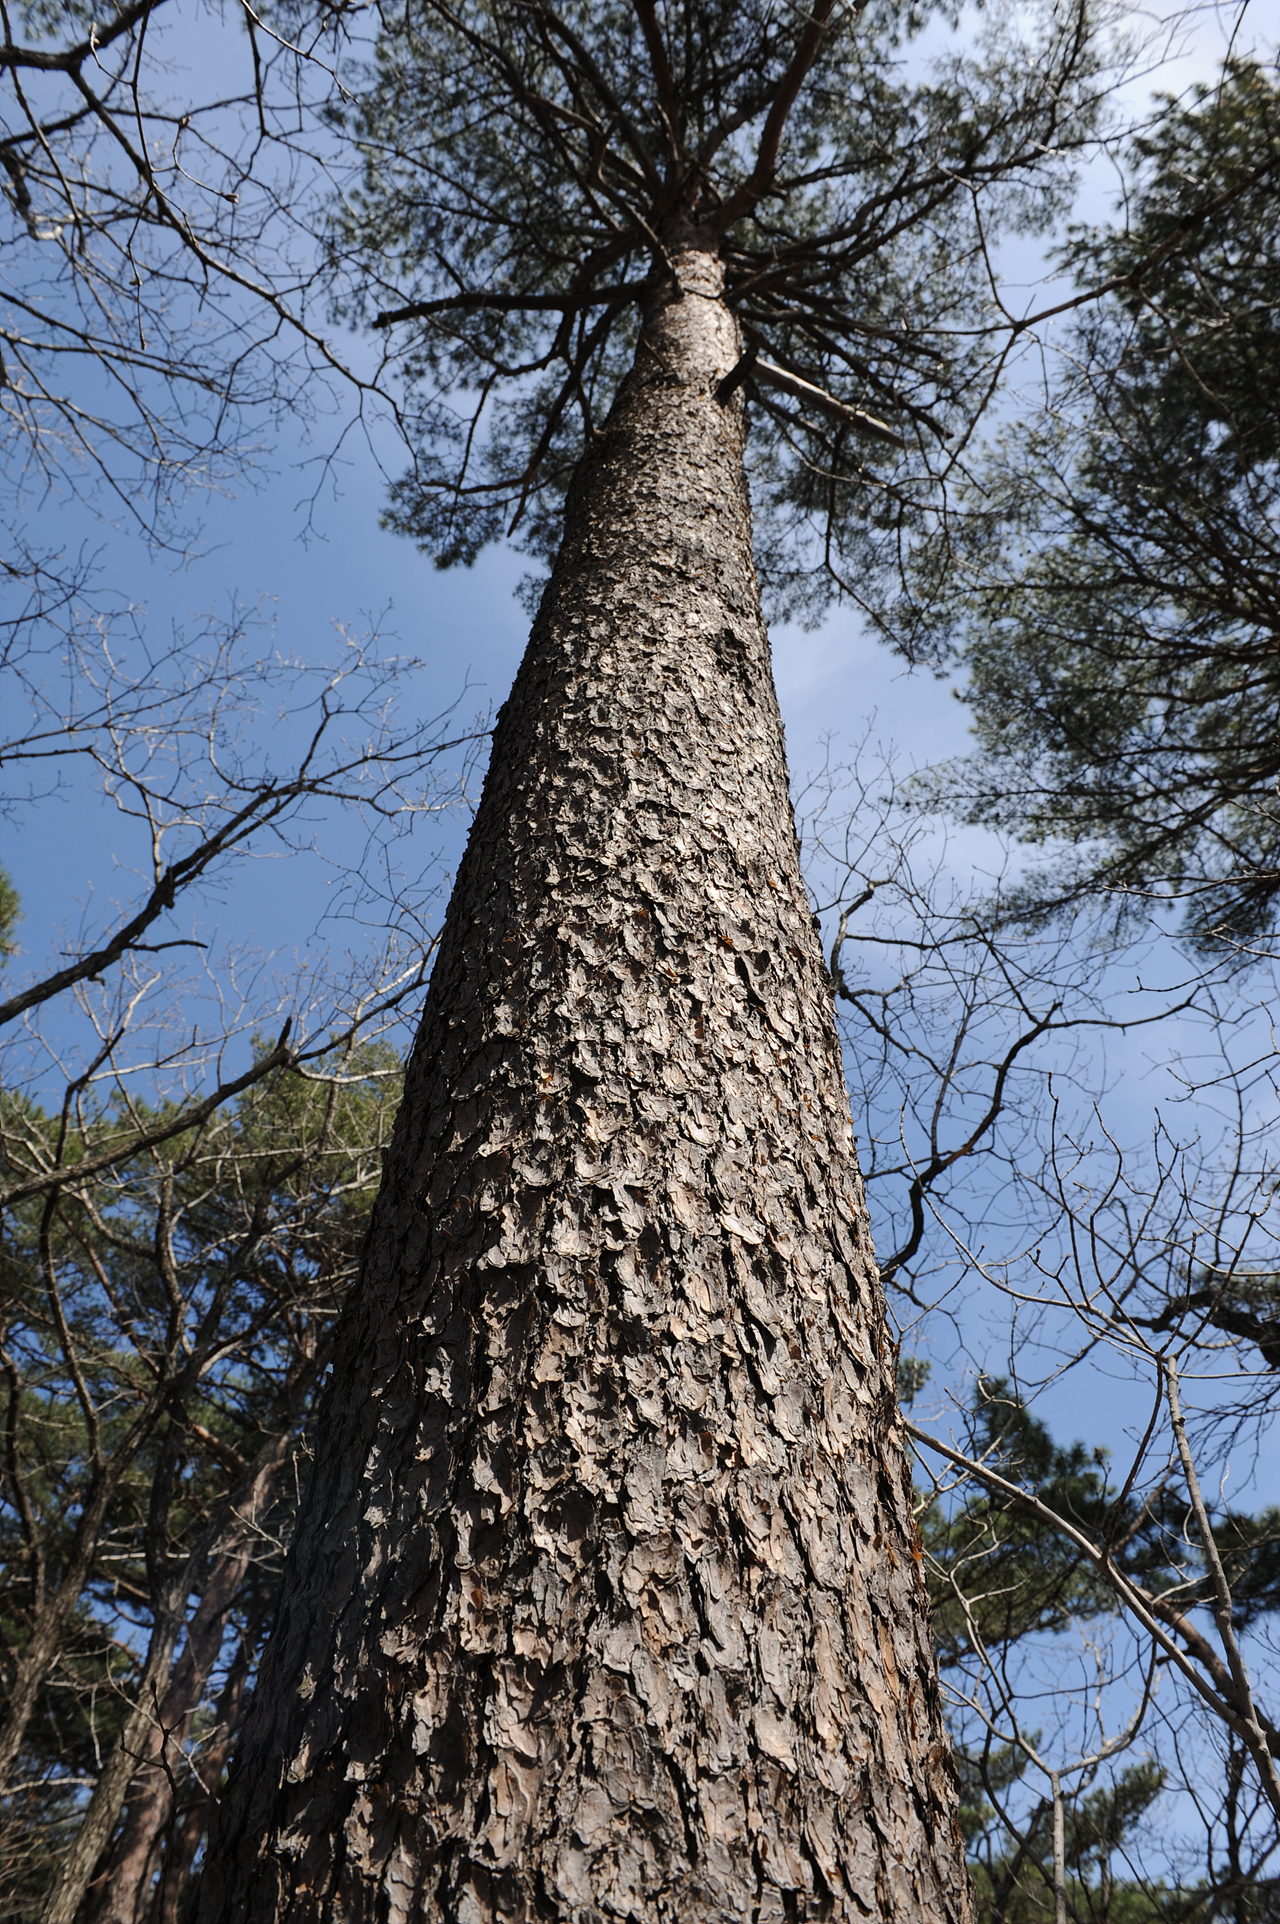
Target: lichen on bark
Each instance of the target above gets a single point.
(606, 1600)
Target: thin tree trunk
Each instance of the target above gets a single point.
(159, 1757)
(52, 1612)
(76, 1868)
(187, 1832)
(606, 1600)
(151, 1743)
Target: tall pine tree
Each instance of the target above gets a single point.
(606, 1597)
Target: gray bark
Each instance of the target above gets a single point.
(607, 1600)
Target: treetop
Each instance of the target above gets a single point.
(529, 171)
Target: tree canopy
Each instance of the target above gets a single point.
(1120, 622)
(10, 915)
(529, 169)
(164, 1325)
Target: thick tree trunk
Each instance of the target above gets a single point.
(607, 1598)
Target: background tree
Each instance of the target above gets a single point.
(10, 915)
(153, 301)
(173, 1239)
(166, 1322)
(1120, 625)
(997, 1089)
(1009, 1579)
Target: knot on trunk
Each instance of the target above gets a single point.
(698, 272)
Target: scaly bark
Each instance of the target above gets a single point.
(606, 1600)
